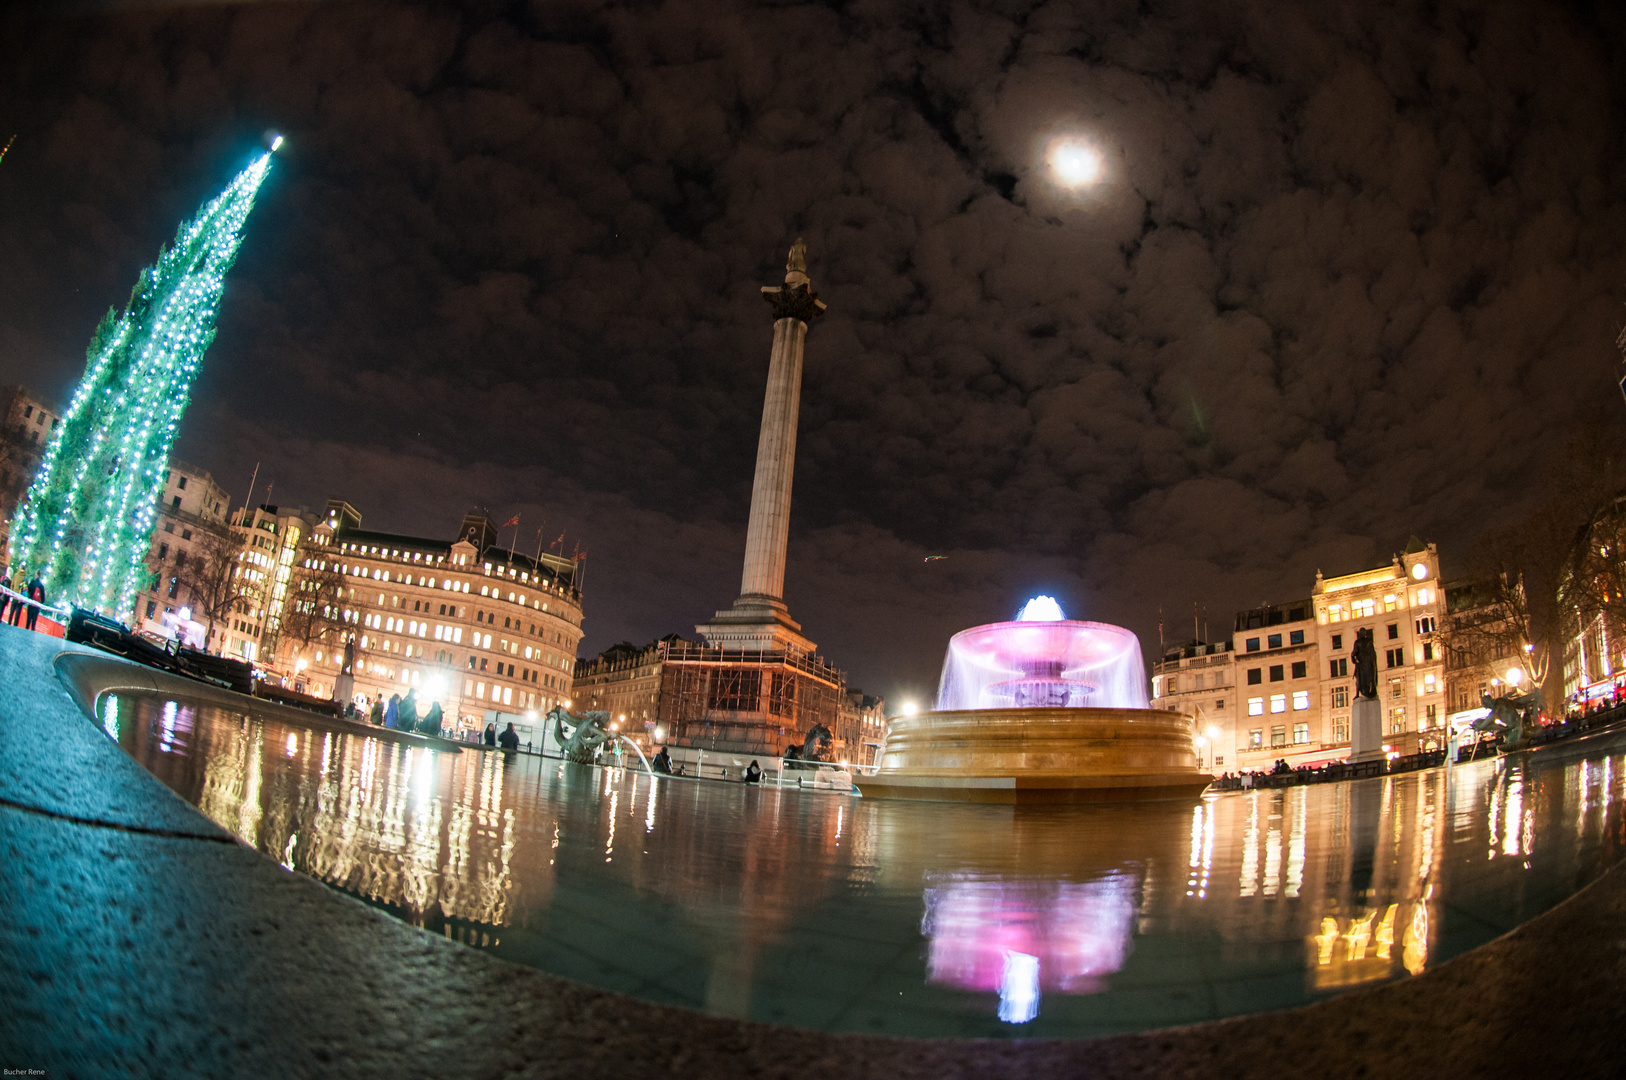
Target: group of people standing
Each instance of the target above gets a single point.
(401, 713)
(23, 601)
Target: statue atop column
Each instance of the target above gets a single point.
(1365, 655)
(796, 298)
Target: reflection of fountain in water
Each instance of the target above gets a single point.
(1042, 660)
(1020, 936)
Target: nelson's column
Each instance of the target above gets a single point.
(759, 618)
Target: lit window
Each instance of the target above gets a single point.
(1364, 609)
(1301, 733)
(479, 689)
(1256, 738)
(1256, 706)
(1301, 700)
(508, 695)
(1278, 703)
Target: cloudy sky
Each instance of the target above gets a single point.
(1348, 273)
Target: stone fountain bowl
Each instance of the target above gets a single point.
(1039, 755)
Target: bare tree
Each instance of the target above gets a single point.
(315, 612)
(210, 574)
(1538, 581)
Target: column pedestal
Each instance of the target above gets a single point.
(1366, 730)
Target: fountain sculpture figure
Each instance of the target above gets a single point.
(1040, 709)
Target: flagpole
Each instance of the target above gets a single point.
(539, 529)
(515, 544)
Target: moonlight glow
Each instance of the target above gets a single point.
(1074, 163)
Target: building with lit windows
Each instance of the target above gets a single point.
(27, 423)
(1281, 688)
(1198, 678)
(269, 538)
(1402, 604)
(465, 622)
(191, 511)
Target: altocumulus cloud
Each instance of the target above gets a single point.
(1348, 272)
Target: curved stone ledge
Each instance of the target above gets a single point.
(88, 675)
(135, 954)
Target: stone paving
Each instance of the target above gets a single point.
(138, 939)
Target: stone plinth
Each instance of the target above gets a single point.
(1366, 730)
(756, 623)
(1038, 755)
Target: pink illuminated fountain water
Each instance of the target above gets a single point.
(1043, 660)
(1040, 709)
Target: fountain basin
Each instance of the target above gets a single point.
(1038, 755)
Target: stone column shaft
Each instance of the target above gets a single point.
(768, 533)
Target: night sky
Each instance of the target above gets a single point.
(1350, 272)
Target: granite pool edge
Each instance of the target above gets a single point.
(1541, 999)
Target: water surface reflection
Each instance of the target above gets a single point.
(918, 919)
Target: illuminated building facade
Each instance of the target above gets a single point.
(28, 423)
(1403, 605)
(467, 623)
(1282, 687)
(191, 509)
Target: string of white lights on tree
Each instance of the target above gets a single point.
(87, 521)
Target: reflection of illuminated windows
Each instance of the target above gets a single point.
(1397, 721)
(1301, 733)
(1278, 735)
(1256, 738)
(1340, 732)
(1301, 700)
(1278, 703)
(1340, 697)
(1256, 706)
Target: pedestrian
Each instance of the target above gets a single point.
(662, 762)
(491, 735)
(509, 739)
(376, 714)
(753, 774)
(18, 604)
(5, 595)
(392, 712)
(432, 720)
(36, 593)
(407, 720)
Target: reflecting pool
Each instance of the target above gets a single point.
(925, 919)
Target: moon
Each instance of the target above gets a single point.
(1074, 162)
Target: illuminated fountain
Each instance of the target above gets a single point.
(1040, 709)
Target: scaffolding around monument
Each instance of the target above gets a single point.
(746, 701)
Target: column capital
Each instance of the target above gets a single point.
(793, 302)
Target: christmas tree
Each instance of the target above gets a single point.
(87, 521)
